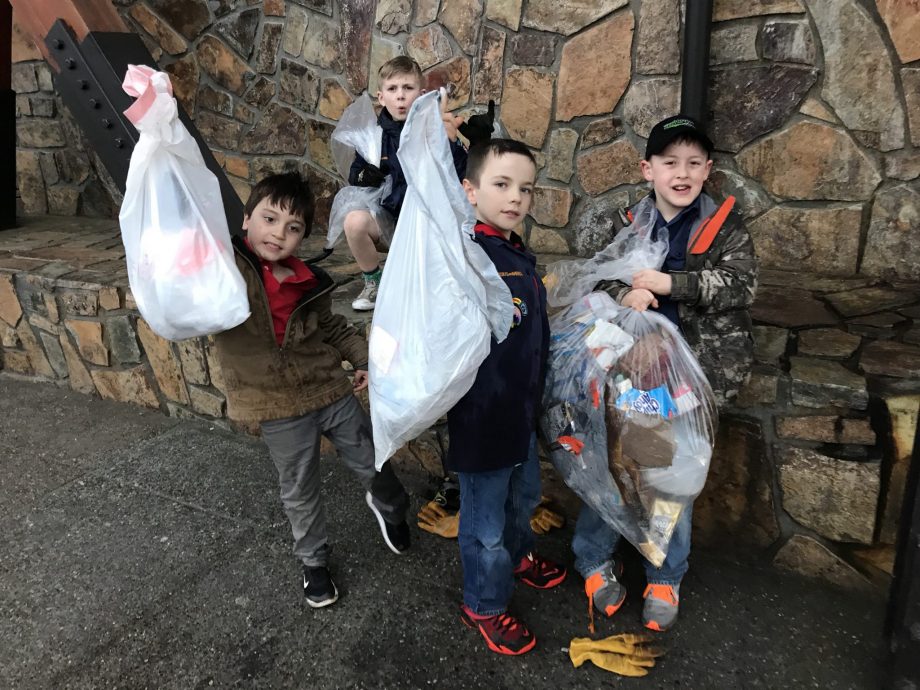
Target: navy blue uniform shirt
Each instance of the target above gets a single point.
(490, 427)
(679, 228)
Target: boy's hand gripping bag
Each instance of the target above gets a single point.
(635, 247)
(440, 301)
(358, 132)
(180, 261)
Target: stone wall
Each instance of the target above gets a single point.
(815, 106)
(815, 112)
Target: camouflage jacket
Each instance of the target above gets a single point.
(714, 293)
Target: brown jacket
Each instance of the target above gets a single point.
(263, 381)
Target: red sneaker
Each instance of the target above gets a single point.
(504, 633)
(535, 571)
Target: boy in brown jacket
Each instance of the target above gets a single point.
(282, 367)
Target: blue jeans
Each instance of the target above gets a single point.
(595, 541)
(494, 532)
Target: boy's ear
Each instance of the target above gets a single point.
(647, 170)
(245, 222)
(470, 191)
(708, 168)
(379, 97)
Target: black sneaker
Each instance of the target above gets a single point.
(448, 495)
(318, 588)
(396, 536)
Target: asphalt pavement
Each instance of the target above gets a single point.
(139, 551)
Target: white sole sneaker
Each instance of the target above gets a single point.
(362, 305)
(328, 601)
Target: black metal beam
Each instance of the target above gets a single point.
(89, 83)
(695, 60)
(7, 120)
(903, 622)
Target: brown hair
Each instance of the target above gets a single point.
(480, 152)
(401, 64)
(289, 191)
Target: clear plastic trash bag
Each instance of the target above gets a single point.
(628, 418)
(358, 132)
(177, 246)
(440, 300)
(635, 247)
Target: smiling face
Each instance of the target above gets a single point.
(397, 94)
(274, 233)
(677, 176)
(504, 190)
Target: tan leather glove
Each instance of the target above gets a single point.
(625, 655)
(433, 518)
(544, 519)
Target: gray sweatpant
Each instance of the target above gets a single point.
(294, 444)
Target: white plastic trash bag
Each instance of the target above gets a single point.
(358, 132)
(173, 225)
(635, 247)
(440, 300)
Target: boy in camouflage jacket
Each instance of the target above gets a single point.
(706, 287)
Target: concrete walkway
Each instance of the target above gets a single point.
(141, 551)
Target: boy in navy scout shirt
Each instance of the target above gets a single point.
(492, 428)
(705, 287)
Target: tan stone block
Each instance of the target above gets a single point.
(129, 300)
(192, 358)
(206, 402)
(547, 241)
(819, 240)
(561, 152)
(8, 336)
(222, 64)
(551, 206)
(130, 386)
(333, 99)
(456, 73)
(489, 73)
(591, 81)
(273, 8)
(760, 389)
(505, 12)
(462, 19)
(808, 557)
(736, 506)
(43, 323)
(322, 43)
(601, 131)
(382, 50)
(242, 187)
(214, 369)
(835, 498)
(51, 307)
(828, 342)
(527, 102)
(165, 364)
(658, 37)
(160, 31)
(23, 48)
(827, 164)
(393, 16)
(78, 302)
(605, 167)
(237, 166)
(10, 309)
(569, 16)
(109, 298)
(903, 22)
(902, 416)
(879, 557)
(89, 340)
(78, 376)
(18, 362)
(723, 10)
(35, 352)
(816, 109)
(826, 429)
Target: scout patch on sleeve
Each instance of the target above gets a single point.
(520, 311)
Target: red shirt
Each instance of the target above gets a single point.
(487, 230)
(284, 296)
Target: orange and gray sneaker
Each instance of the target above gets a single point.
(661, 604)
(504, 633)
(539, 573)
(605, 592)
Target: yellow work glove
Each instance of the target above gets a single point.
(544, 519)
(626, 654)
(433, 518)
